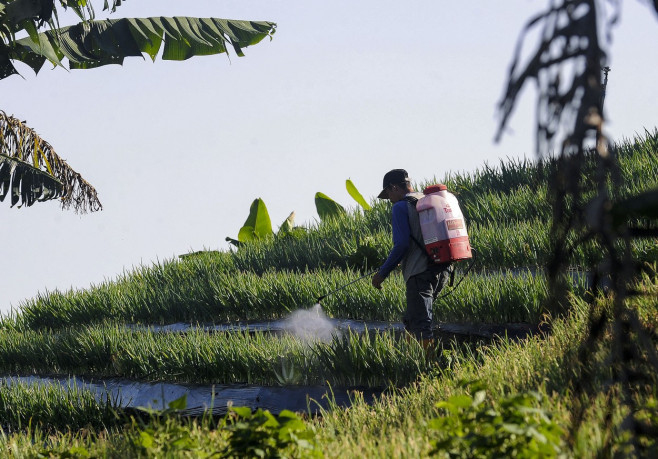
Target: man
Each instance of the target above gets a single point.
(424, 279)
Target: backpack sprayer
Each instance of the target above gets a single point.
(444, 232)
(444, 229)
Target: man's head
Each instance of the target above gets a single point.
(396, 185)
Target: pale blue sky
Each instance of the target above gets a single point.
(177, 151)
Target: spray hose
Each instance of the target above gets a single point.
(452, 276)
(343, 286)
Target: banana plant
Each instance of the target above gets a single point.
(327, 208)
(29, 167)
(288, 224)
(31, 171)
(356, 195)
(93, 43)
(258, 225)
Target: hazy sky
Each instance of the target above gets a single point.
(178, 151)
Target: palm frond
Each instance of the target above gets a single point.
(95, 43)
(31, 171)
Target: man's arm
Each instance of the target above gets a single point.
(401, 237)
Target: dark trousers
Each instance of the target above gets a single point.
(422, 290)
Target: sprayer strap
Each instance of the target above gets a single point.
(420, 245)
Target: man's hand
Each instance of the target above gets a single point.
(377, 280)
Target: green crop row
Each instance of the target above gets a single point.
(508, 228)
(371, 359)
(197, 292)
(527, 243)
(206, 288)
(520, 204)
(494, 198)
(501, 245)
(54, 406)
(637, 160)
(400, 423)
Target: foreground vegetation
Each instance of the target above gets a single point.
(500, 397)
(525, 384)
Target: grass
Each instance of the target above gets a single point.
(395, 426)
(508, 225)
(636, 157)
(53, 407)
(194, 291)
(398, 424)
(374, 359)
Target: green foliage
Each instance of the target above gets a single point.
(261, 434)
(514, 426)
(327, 208)
(369, 358)
(258, 224)
(222, 358)
(52, 407)
(205, 288)
(288, 224)
(394, 425)
(95, 43)
(358, 197)
(166, 434)
(369, 254)
(268, 278)
(90, 44)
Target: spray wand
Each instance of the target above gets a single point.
(343, 286)
(452, 278)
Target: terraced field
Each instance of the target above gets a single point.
(114, 330)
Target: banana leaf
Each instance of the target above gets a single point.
(26, 184)
(288, 224)
(31, 171)
(258, 224)
(327, 208)
(358, 197)
(93, 44)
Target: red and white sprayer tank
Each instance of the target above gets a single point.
(443, 226)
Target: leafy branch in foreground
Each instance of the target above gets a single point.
(514, 426)
(261, 434)
(97, 43)
(567, 67)
(31, 171)
(92, 43)
(28, 165)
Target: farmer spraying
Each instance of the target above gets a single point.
(424, 278)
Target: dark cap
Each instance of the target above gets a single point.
(394, 177)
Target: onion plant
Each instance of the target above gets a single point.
(23, 405)
(508, 225)
(221, 358)
(197, 292)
